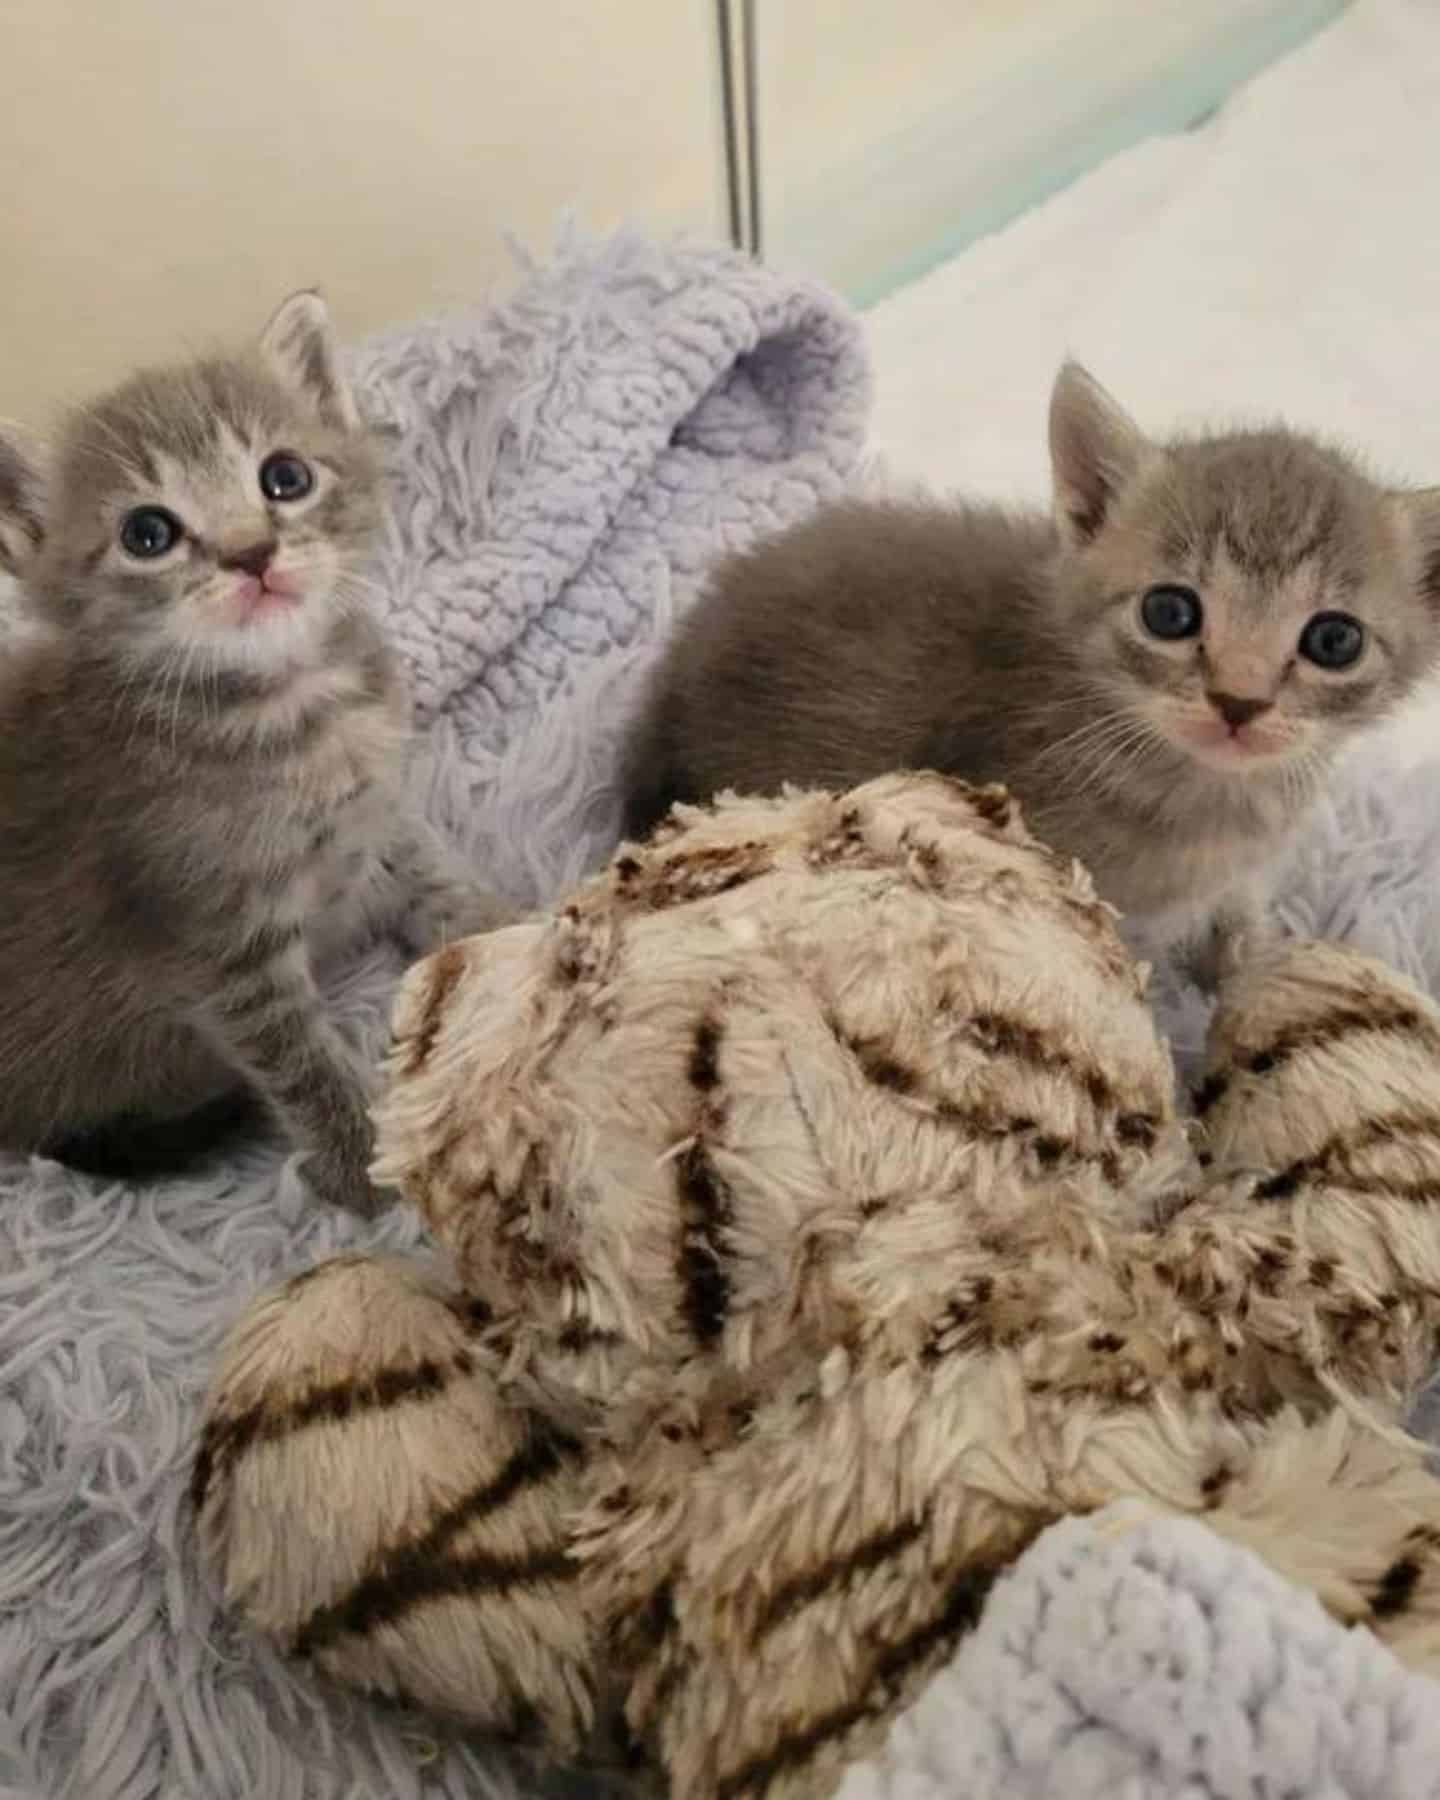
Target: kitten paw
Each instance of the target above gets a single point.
(343, 1183)
(1224, 948)
(445, 915)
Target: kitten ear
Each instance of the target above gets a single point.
(300, 346)
(22, 498)
(1417, 511)
(1095, 447)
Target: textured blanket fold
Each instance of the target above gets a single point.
(565, 465)
(1131, 1657)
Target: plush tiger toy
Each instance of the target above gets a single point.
(820, 1228)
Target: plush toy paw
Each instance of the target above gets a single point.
(371, 1502)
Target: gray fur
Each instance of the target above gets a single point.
(1006, 647)
(199, 804)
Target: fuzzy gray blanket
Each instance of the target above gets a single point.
(538, 549)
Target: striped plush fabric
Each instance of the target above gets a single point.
(822, 1230)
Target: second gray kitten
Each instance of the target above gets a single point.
(1162, 673)
(201, 763)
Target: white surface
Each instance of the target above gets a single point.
(1285, 258)
(886, 148)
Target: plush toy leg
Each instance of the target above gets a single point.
(1323, 1098)
(1322, 1107)
(781, 1588)
(372, 1501)
(1351, 1514)
(778, 1590)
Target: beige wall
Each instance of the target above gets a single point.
(187, 162)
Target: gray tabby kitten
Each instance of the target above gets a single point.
(1162, 674)
(201, 754)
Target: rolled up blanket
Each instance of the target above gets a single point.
(1134, 1656)
(565, 465)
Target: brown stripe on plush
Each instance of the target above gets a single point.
(647, 1637)
(881, 1067)
(885, 1681)
(705, 1208)
(641, 1635)
(1330, 1162)
(446, 968)
(704, 1070)
(1383, 1014)
(962, 1325)
(227, 1438)
(544, 1454)
(474, 1314)
(993, 804)
(409, 1582)
(579, 1335)
(1004, 1036)
(1395, 1591)
(803, 1589)
(704, 1202)
(1396, 1588)
(403, 1575)
(680, 876)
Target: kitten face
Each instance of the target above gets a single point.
(221, 511)
(1249, 601)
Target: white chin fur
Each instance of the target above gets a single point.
(271, 640)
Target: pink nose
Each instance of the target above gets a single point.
(1236, 710)
(249, 559)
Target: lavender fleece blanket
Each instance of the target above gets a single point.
(565, 466)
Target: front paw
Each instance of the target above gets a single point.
(446, 915)
(344, 1181)
(1227, 944)
(337, 1170)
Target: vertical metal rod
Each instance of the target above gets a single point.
(749, 57)
(729, 107)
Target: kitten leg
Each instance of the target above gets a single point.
(268, 1016)
(1240, 925)
(438, 899)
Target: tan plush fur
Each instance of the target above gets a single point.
(823, 1229)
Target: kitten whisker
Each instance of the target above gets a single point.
(1083, 737)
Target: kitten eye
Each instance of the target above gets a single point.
(1332, 640)
(1171, 612)
(149, 531)
(284, 476)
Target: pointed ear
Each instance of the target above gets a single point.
(22, 499)
(1417, 514)
(299, 345)
(1095, 447)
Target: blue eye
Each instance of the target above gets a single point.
(1171, 612)
(149, 531)
(285, 476)
(1332, 640)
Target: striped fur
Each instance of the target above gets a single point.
(826, 1230)
(444, 1577)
